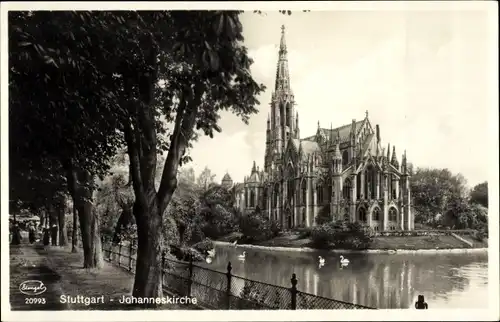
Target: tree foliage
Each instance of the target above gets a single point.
(205, 179)
(434, 190)
(479, 194)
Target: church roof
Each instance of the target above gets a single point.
(309, 146)
(227, 177)
(238, 187)
(344, 131)
(254, 178)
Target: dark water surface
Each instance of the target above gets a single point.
(378, 280)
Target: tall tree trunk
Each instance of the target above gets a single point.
(80, 187)
(148, 272)
(61, 216)
(123, 222)
(53, 220)
(141, 139)
(73, 189)
(89, 225)
(74, 235)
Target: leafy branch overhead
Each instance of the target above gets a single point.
(84, 84)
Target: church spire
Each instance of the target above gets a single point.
(282, 75)
(394, 160)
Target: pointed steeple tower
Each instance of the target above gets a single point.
(282, 74)
(388, 152)
(394, 159)
(283, 123)
(404, 165)
(254, 168)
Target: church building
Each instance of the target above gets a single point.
(343, 170)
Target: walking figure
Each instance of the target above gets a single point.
(32, 234)
(46, 237)
(420, 304)
(53, 231)
(16, 235)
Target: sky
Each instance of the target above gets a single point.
(423, 76)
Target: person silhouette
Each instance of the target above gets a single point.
(420, 304)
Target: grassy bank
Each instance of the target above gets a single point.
(295, 240)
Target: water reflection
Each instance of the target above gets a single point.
(382, 281)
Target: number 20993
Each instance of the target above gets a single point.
(34, 300)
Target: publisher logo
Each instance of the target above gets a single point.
(32, 287)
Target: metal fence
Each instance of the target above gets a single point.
(223, 290)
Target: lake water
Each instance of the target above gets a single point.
(383, 281)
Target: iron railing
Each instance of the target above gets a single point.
(223, 290)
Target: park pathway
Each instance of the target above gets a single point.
(61, 272)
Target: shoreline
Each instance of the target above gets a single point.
(364, 251)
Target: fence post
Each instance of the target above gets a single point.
(228, 288)
(120, 254)
(130, 248)
(190, 278)
(293, 291)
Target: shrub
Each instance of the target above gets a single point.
(305, 233)
(343, 235)
(275, 228)
(218, 222)
(255, 228)
(322, 236)
(323, 216)
(204, 246)
(479, 235)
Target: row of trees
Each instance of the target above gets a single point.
(84, 85)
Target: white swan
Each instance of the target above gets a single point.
(211, 252)
(321, 261)
(208, 260)
(344, 261)
(242, 256)
(234, 243)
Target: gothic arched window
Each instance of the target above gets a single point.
(362, 214)
(264, 199)
(290, 190)
(393, 214)
(370, 182)
(288, 115)
(282, 114)
(329, 190)
(345, 158)
(252, 198)
(319, 194)
(275, 195)
(346, 189)
(376, 214)
(390, 185)
(304, 191)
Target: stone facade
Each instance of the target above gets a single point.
(343, 168)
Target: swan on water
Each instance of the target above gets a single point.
(321, 260)
(234, 243)
(242, 256)
(344, 261)
(211, 252)
(208, 260)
